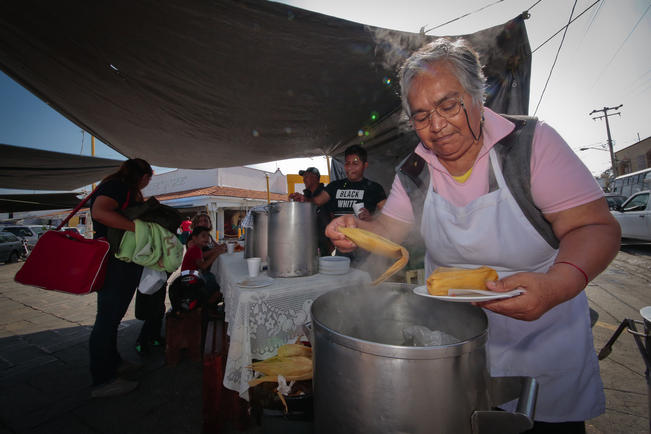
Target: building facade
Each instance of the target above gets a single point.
(225, 194)
(634, 158)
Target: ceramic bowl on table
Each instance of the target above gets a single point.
(334, 264)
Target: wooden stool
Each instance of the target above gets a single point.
(183, 332)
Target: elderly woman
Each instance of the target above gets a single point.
(469, 201)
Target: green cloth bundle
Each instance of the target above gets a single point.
(152, 246)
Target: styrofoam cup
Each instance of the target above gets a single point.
(230, 248)
(357, 207)
(254, 266)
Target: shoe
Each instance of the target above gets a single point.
(142, 348)
(157, 342)
(127, 367)
(115, 387)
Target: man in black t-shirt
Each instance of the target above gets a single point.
(355, 194)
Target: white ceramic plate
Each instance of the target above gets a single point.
(255, 282)
(468, 295)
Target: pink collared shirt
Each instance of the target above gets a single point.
(559, 180)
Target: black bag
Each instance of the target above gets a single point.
(188, 291)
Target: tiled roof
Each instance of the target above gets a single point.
(222, 191)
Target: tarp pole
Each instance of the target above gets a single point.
(268, 196)
(92, 151)
(328, 164)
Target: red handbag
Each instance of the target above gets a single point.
(66, 261)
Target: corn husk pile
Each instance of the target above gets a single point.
(293, 363)
(380, 246)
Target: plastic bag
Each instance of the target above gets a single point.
(151, 280)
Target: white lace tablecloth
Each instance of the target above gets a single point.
(262, 319)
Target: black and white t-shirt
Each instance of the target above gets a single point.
(344, 193)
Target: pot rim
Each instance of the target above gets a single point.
(399, 351)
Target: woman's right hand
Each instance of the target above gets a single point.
(340, 241)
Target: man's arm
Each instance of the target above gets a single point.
(320, 199)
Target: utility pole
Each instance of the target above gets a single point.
(610, 140)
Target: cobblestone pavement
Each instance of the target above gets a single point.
(46, 386)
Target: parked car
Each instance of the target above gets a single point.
(10, 247)
(70, 229)
(22, 232)
(614, 200)
(39, 229)
(634, 216)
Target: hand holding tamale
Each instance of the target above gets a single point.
(380, 246)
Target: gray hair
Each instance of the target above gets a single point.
(458, 54)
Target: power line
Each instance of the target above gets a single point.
(565, 27)
(594, 17)
(555, 59)
(465, 15)
(531, 7)
(622, 45)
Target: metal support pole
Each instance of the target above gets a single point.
(610, 140)
(268, 195)
(92, 150)
(610, 148)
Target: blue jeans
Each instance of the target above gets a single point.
(122, 279)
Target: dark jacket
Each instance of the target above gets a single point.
(150, 211)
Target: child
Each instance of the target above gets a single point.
(196, 259)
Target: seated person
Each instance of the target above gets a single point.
(203, 219)
(196, 259)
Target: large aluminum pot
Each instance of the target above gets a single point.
(367, 379)
(293, 239)
(255, 245)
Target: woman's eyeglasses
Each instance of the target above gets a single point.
(446, 109)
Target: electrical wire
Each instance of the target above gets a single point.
(594, 17)
(621, 45)
(555, 59)
(565, 27)
(465, 15)
(531, 7)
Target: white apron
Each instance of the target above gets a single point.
(557, 349)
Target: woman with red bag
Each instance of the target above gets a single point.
(116, 192)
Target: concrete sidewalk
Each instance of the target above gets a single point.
(45, 382)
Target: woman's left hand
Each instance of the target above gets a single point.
(540, 296)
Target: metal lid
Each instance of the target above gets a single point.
(646, 313)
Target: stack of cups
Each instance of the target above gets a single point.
(230, 248)
(254, 266)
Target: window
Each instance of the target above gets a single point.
(637, 201)
(8, 237)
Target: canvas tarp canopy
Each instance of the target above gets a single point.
(36, 202)
(36, 169)
(203, 84)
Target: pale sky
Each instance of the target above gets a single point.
(604, 61)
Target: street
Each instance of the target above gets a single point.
(45, 381)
